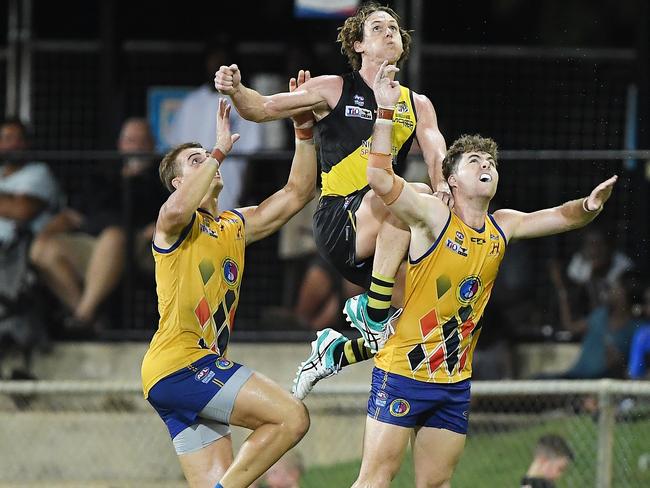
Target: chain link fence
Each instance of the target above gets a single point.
(106, 435)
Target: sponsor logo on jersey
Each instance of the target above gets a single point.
(382, 398)
(223, 363)
(399, 407)
(469, 289)
(358, 112)
(459, 237)
(207, 230)
(359, 100)
(478, 240)
(494, 237)
(457, 248)
(230, 271)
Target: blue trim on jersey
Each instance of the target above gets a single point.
(498, 228)
(241, 216)
(398, 400)
(433, 246)
(181, 238)
(202, 210)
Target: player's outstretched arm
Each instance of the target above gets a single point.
(267, 217)
(568, 216)
(431, 141)
(414, 208)
(177, 211)
(251, 105)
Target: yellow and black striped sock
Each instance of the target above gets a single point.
(351, 351)
(379, 297)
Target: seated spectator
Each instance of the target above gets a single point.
(286, 472)
(81, 254)
(607, 331)
(551, 459)
(29, 197)
(595, 267)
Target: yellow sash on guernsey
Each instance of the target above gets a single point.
(197, 282)
(349, 174)
(447, 290)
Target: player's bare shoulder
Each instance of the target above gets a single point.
(330, 88)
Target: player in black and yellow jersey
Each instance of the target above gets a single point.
(199, 255)
(421, 380)
(353, 230)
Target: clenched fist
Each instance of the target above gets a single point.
(227, 79)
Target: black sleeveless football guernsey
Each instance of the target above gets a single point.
(343, 136)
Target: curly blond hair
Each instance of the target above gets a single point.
(466, 144)
(352, 31)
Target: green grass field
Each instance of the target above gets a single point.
(499, 459)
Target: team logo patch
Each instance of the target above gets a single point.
(203, 374)
(230, 271)
(223, 363)
(469, 289)
(361, 113)
(401, 107)
(359, 100)
(382, 398)
(399, 407)
(459, 237)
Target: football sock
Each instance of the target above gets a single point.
(379, 297)
(351, 351)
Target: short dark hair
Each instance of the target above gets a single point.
(24, 128)
(168, 169)
(466, 144)
(352, 31)
(553, 446)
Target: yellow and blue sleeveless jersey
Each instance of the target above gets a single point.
(197, 282)
(447, 290)
(343, 136)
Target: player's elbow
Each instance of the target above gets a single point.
(299, 194)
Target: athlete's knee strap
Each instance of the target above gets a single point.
(384, 161)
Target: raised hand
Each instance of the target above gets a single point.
(227, 79)
(305, 119)
(225, 139)
(600, 195)
(387, 90)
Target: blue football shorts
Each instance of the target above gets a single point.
(398, 400)
(196, 402)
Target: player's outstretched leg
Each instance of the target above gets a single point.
(320, 364)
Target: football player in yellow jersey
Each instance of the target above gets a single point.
(199, 254)
(421, 380)
(353, 230)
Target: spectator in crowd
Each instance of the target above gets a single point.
(607, 331)
(195, 121)
(595, 267)
(81, 256)
(551, 459)
(286, 472)
(640, 349)
(29, 197)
